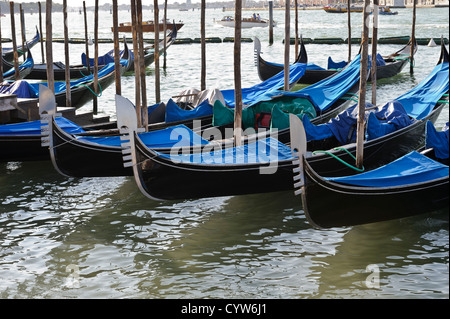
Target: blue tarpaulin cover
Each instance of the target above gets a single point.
(410, 169)
(439, 141)
(262, 151)
(104, 59)
(24, 89)
(29, 63)
(335, 65)
(175, 113)
(380, 121)
(419, 102)
(309, 66)
(179, 135)
(325, 92)
(34, 127)
(272, 84)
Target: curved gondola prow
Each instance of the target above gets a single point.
(444, 53)
(302, 55)
(128, 126)
(257, 51)
(47, 112)
(299, 148)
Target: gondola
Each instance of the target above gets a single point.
(387, 66)
(8, 53)
(22, 141)
(81, 90)
(24, 69)
(266, 166)
(149, 52)
(414, 184)
(78, 156)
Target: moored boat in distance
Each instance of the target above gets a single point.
(340, 8)
(246, 23)
(149, 26)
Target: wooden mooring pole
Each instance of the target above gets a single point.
(137, 85)
(287, 40)
(142, 62)
(373, 67)
(67, 55)
(22, 31)
(270, 22)
(165, 35)
(157, 71)
(413, 39)
(349, 26)
(237, 74)
(116, 48)
(296, 29)
(14, 41)
(49, 46)
(41, 40)
(95, 100)
(86, 39)
(362, 87)
(1, 49)
(203, 45)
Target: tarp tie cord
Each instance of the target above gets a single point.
(97, 95)
(340, 160)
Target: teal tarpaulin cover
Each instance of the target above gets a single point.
(324, 93)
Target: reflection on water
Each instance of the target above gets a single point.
(101, 238)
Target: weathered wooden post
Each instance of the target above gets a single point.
(1, 49)
(203, 45)
(413, 39)
(49, 46)
(14, 41)
(142, 63)
(362, 88)
(95, 107)
(373, 67)
(237, 74)
(137, 82)
(165, 34)
(22, 31)
(66, 54)
(157, 73)
(41, 40)
(86, 39)
(270, 22)
(287, 40)
(116, 48)
(349, 26)
(296, 29)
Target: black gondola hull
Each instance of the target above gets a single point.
(73, 158)
(162, 179)
(350, 206)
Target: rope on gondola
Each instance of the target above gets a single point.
(97, 95)
(339, 159)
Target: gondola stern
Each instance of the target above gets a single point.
(48, 113)
(298, 146)
(128, 126)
